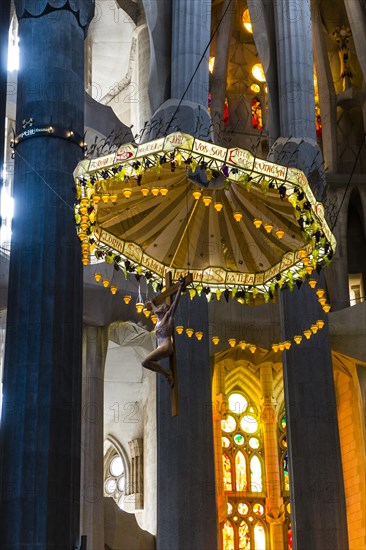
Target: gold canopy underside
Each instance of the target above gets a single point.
(181, 232)
(174, 231)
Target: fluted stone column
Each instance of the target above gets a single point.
(4, 30)
(186, 110)
(92, 436)
(275, 513)
(315, 467)
(295, 68)
(327, 95)
(186, 471)
(40, 425)
(219, 75)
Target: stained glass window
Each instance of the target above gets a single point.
(240, 472)
(243, 470)
(259, 537)
(257, 117)
(228, 536)
(249, 424)
(227, 472)
(237, 403)
(115, 480)
(228, 425)
(255, 474)
(244, 536)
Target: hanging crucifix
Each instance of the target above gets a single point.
(164, 306)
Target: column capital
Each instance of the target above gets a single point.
(268, 412)
(275, 514)
(82, 9)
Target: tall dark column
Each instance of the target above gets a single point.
(40, 490)
(317, 493)
(186, 473)
(4, 32)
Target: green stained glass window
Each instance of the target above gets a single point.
(283, 423)
(239, 439)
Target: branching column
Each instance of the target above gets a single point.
(274, 501)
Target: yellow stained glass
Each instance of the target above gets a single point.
(229, 509)
(258, 509)
(249, 424)
(259, 537)
(228, 536)
(225, 442)
(255, 474)
(228, 425)
(240, 472)
(237, 403)
(243, 508)
(226, 463)
(244, 536)
(254, 443)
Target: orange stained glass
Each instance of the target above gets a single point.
(289, 537)
(244, 536)
(240, 472)
(259, 537)
(226, 463)
(228, 536)
(255, 474)
(257, 119)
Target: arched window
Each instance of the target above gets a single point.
(115, 474)
(243, 470)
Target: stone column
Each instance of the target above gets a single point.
(295, 68)
(4, 30)
(40, 437)
(315, 467)
(318, 511)
(275, 514)
(219, 75)
(263, 23)
(186, 472)
(327, 95)
(186, 110)
(92, 436)
(357, 21)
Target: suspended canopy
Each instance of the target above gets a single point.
(181, 204)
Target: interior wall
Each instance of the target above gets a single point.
(130, 413)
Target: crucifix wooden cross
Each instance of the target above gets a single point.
(167, 296)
